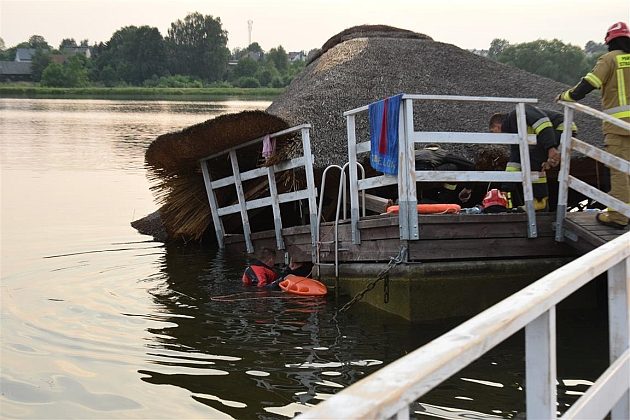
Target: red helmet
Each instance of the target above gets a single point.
(494, 197)
(617, 30)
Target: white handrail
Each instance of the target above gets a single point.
(393, 388)
(274, 199)
(408, 176)
(452, 98)
(566, 181)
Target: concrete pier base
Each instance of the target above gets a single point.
(439, 290)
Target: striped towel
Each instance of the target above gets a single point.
(383, 117)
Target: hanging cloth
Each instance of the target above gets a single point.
(269, 146)
(383, 117)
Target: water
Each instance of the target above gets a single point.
(99, 321)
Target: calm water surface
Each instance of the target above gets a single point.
(99, 321)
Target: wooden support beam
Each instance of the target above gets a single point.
(241, 200)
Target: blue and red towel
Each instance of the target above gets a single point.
(383, 117)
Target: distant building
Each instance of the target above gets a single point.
(254, 55)
(70, 51)
(482, 53)
(24, 55)
(15, 71)
(297, 56)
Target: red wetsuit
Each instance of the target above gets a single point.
(259, 274)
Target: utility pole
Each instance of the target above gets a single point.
(250, 24)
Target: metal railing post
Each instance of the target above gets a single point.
(526, 169)
(540, 366)
(247, 232)
(214, 207)
(563, 173)
(619, 325)
(310, 183)
(407, 195)
(354, 187)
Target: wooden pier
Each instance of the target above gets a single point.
(584, 233)
(443, 237)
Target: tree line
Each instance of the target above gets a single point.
(552, 59)
(194, 53)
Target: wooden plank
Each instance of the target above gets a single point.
(600, 196)
(275, 205)
(376, 204)
(601, 155)
(311, 188)
(219, 229)
(260, 139)
(468, 138)
(453, 249)
(242, 202)
(526, 169)
(619, 327)
(609, 389)
(540, 366)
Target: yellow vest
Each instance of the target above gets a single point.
(611, 74)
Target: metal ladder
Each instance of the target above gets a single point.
(341, 196)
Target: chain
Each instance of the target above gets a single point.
(384, 274)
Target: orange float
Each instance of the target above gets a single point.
(430, 209)
(303, 286)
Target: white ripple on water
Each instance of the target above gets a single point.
(319, 365)
(257, 373)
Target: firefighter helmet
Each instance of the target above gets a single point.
(617, 30)
(495, 201)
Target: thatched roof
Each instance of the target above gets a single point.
(365, 65)
(173, 162)
(174, 152)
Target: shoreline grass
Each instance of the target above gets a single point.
(34, 92)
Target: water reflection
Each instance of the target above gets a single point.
(101, 322)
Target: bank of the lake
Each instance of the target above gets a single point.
(152, 93)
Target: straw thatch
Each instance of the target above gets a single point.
(174, 169)
(353, 68)
(366, 64)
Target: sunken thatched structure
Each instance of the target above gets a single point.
(358, 66)
(175, 172)
(364, 64)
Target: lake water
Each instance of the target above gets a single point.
(99, 321)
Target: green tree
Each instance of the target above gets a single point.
(198, 46)
(67, 43)
(497, 46)
(553, 59)
(279, 57)
(2, 46)
(246, 67)
(135, 53)
(593, 51)
(73, 73)
(40, 60)
(38, 42)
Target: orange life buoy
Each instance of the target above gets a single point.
(430, 209)
(303, 286)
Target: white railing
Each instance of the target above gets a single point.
(566, 181)
(389, 391)
(408, 176)
(274, 200)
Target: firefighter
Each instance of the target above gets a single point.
(434, 158)
(611, 74)
(543, 156)
(261, 271)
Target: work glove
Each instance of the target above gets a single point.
(565, 96)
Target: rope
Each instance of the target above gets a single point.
(384, 274)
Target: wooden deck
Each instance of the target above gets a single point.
(452, 237)
(584, 233)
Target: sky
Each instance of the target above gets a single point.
(306, 24)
